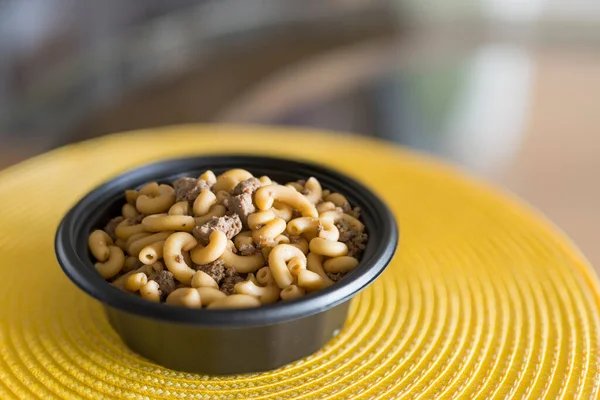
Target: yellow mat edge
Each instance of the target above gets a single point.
(430, 161)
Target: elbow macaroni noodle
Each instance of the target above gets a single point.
(329, 231)
(265, 294)
(243, 239)
(281, 239)
(210, 295)
(152, 253)
(242, 264)
(327, 248)
(156, 201)
(259, 218)
(338, 200)
(180, 208)
(314, 190)
(296, 186)
(325, 206)
(129, 211)
(228, 180)
(221, 196)
(136, 281)
(298, 226)
(314, 263)
(265, 180)
(149, 188)
(235, 301)
(175, 244)
(302, 244)
(292, 292)
(131, 196)
(251, 278)
(312, 281)
(205, 200)
(214, 249)
(266, 195)
(282, 210)
(137, 246)
(202, 279)
(125, 230)
(150, 291)
(209, 177)
(340, 264)
(186, 297)
(98, 243)
(136, 237)
(337, 216)
(166, 222)
(269, 232)
(278, 260)
(289, 246)
(217, 210)
(113, 265)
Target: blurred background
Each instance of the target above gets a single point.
(508, 89)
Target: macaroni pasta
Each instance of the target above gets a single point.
(228, 241)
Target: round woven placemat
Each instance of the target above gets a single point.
(483, 300)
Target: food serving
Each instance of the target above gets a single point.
(229, 241)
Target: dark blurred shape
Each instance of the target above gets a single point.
(73, 70)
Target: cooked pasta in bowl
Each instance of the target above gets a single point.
(262, 250)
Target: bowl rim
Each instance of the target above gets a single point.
(382, 249)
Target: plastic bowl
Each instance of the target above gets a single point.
(224, 341)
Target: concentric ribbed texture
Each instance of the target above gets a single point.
(483, 300)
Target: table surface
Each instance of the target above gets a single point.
(485, 298)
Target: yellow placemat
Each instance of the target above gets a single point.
(483, 300)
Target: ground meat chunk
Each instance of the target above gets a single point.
(215, 270)
(187, 189)
(357, 245)
(248, 186)
(230, 225)
(335, 277)
(229, 282)
(112, 225)
(346, 231)
(247, 250)
(354, 239)
(166, 282)
(241, 205)
(296, 214)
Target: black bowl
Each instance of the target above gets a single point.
(224, 341)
